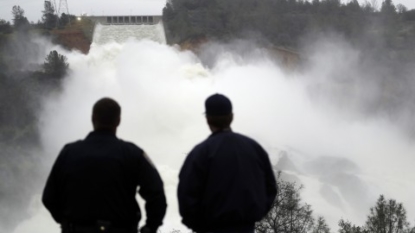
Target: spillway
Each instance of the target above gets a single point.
(121, 33)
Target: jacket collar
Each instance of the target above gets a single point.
(227, 130)
(101, 133)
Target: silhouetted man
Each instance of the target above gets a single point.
(93, 183)
(227, 182)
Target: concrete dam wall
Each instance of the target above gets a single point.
(122, 28)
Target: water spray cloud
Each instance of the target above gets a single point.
(161, 91)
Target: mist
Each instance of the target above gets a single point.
(317, 123)
(21, 97)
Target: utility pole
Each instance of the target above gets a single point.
(63, 7)
(55, 7)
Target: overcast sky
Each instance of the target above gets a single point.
(33, 8)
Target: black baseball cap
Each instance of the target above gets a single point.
(218, 105)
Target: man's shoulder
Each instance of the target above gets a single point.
(130, 145)
(242, 136)
(219, 138)
(200, 145)
(232, 134)
(127, 145)
(200, 148)
(247, 140)
(74, 144)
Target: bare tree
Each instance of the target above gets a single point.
(401, 8)
(288, 214)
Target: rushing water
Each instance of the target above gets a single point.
(344, 162)
(119, 33)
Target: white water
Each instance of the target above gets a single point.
(162, 91)
(120, 33)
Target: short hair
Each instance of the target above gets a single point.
(106, 113)
(221, 122)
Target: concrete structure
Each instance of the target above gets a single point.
(126, 19)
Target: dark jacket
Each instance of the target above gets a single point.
(97, 179)
(226, 184)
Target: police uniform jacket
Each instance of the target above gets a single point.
(226, 184)
(97, 179)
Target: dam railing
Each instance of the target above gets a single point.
(126, 20)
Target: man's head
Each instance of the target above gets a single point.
(218, 112)
(106, 114)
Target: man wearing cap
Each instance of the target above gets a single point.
(226, 183)
(93, 183)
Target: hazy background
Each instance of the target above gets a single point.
(344, 157)
(33, 8)
(343, 123)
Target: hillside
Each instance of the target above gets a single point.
(78, 35)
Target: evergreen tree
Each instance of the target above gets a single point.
(347, 227)
(353, 6)
(55, 65)
(321, 226)
(65, 19)
(387, 216)
(49, 18)
(19, 20)
(5, 27)
(388, 8)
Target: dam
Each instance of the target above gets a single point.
(119, 29)
(126, 19)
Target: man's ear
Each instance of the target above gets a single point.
(118, 121)
(93, 119)
(208, 120)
